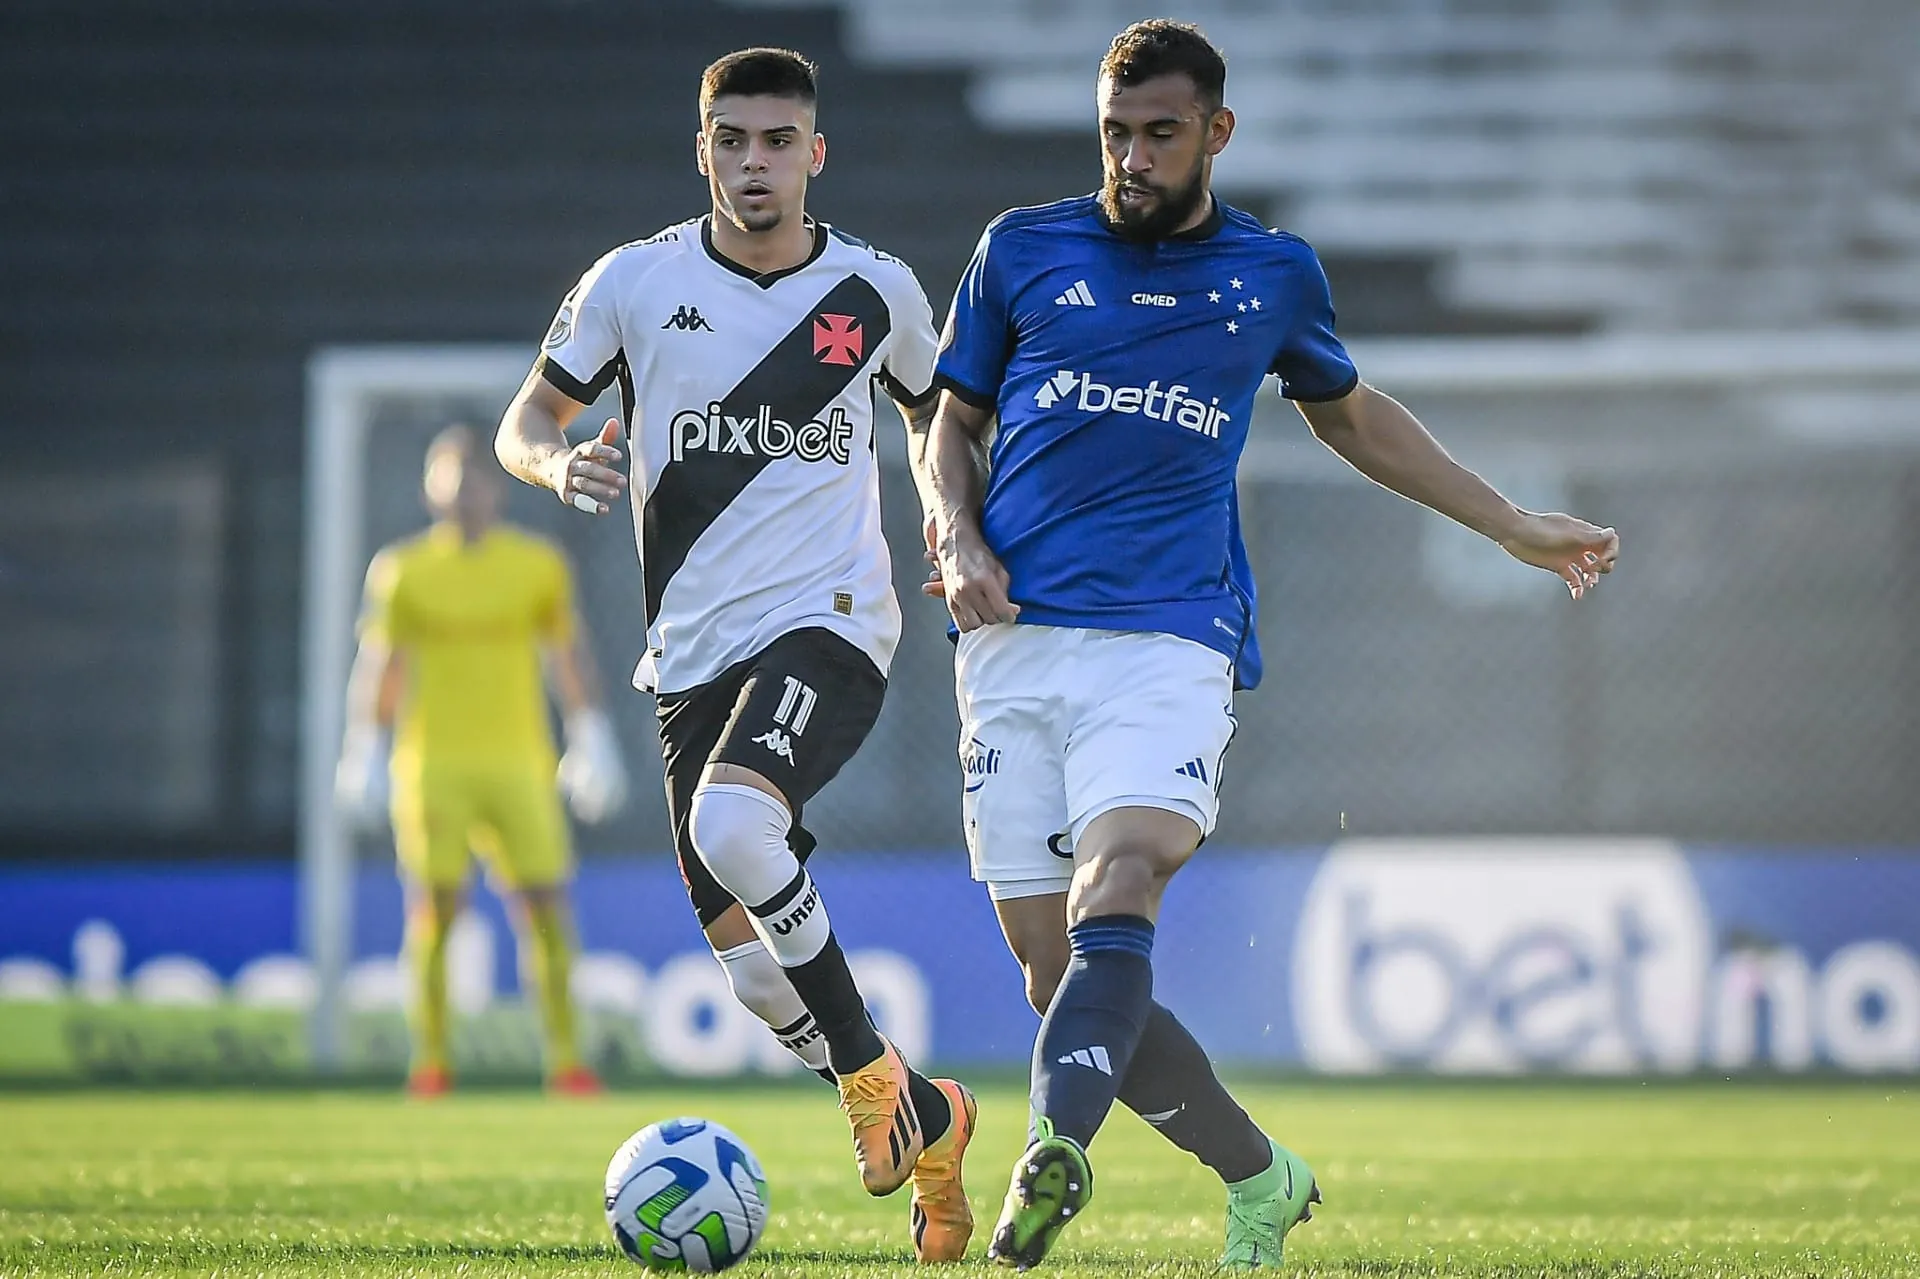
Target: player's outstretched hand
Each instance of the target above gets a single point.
(1577, 551)
(587, 477)
(975, 583)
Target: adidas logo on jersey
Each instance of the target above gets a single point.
(688, 320)
(1194, 768)
(1078, 295)
(1094, 1058)
(760, 434)
(1170, 405)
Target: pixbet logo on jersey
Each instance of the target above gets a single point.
(760, 434)
(1202, 417)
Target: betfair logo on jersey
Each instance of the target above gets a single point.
(1079, 390)
(760, 434)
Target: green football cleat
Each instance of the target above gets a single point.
(1263, 1208)
(1052, 1183)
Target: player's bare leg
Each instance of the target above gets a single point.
(1123, 862)
(740, 821)
(543, 926)
(431, 910)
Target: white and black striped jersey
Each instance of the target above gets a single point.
(749, 410)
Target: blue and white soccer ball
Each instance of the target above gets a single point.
(686, 1194)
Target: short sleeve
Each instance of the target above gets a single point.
(582, 347)
(907, 372)
(1311, 362)
(382, 619)
(554, 622)
(977, 343)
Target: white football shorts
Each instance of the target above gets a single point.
(1061, 724)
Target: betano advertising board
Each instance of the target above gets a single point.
(1455, 957)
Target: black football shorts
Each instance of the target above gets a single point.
(795, 713)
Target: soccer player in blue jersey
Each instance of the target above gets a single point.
(1095, 571)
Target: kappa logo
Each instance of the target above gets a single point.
(1174, 404)
(838, 339)
(688, 320)
(777, 742)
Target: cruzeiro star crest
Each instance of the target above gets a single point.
(1239, 297)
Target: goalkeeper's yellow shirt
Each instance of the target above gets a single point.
(472, 619)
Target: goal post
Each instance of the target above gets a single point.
(1631, 408)
(344, 389)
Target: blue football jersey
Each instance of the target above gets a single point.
(1123, 376)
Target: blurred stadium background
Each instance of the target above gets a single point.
(1657, 264)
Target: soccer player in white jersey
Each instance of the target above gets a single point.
(1098, 578)
(746, 344)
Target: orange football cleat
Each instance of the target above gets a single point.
(886, 1131)
(942, 1221)
(429, 1081)
(575, 1081)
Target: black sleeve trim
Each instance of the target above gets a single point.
(572, 387)
(1339, 393)
(963, 393)
(897, 391)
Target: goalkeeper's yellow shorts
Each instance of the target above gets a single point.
(507, 811)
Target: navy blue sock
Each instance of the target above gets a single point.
(1089, 1033)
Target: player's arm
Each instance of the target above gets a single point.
(950, 469)
(375, 686)
(1378, 437)
(532, 444)
(578, 360)
(952, 479)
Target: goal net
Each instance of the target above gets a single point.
(1746, 676)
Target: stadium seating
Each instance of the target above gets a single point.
(1697, 164)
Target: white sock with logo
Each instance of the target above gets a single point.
(741, 835)
(761, 985)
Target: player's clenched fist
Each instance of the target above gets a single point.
(1577, 551)
(976, 582)
(587, 477)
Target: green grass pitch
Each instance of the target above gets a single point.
(1521, 1180)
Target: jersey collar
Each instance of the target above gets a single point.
(767, 279)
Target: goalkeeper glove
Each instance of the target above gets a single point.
(360, 778)
(593, 777)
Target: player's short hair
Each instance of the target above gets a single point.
(762, 72)
(457, 442)
(1161, 46)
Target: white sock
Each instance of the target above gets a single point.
(761, 985)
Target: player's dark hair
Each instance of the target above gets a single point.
(763, 72)
(1161, 46)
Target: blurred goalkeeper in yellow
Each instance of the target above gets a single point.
(447, 732)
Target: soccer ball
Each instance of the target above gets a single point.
(686, 1194)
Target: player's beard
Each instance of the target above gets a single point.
(756, 223)
(1173, 207)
